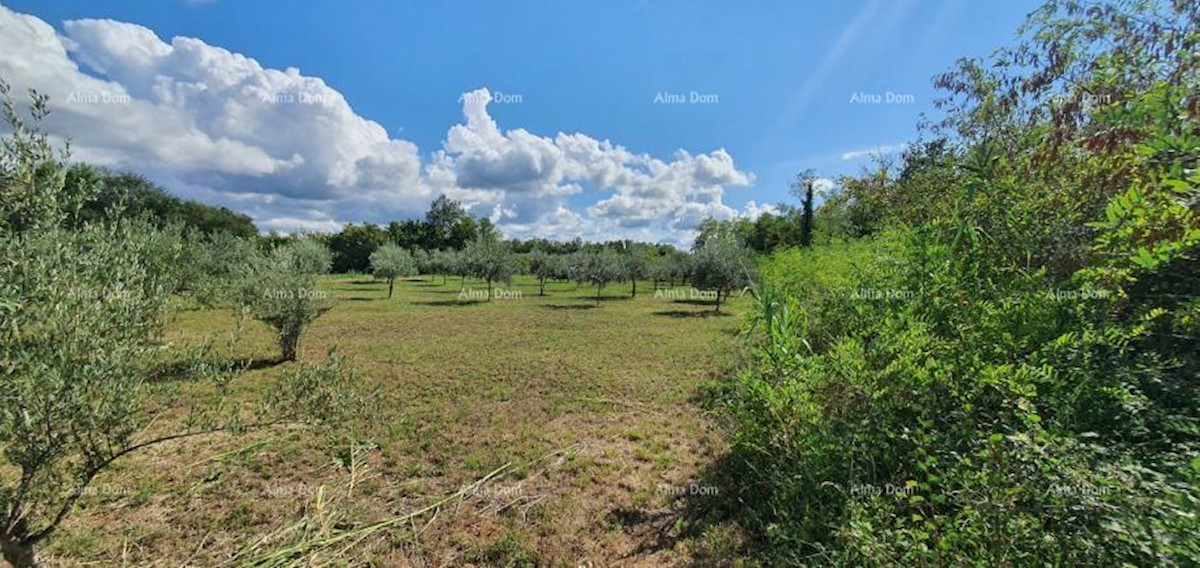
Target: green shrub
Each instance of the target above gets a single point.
(81, 312)
(1006, 376)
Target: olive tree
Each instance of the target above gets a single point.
(457, 265)
(425, 262)
(636, 263)
(568, 267)
(81, 356)
(489, 259)
(721, 264)
(442, 262)
(280, 291)
(223, 259)
(305, 255)
(391, 261)
(544, 266)
(598, 268)
(670, 268)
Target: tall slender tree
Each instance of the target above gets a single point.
(804, 188)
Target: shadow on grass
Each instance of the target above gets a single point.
(691, 314)
(451, 303)
(361, 298)
(592, 298)
(570, 306)
(184, 370)
(695, 302)
(716, 500)
(256, 363)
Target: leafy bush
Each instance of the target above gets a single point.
(1007, 374)
(81, 310)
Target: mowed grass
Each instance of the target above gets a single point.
(593, 407)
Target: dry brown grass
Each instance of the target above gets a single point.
(468, 388)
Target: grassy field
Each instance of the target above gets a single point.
(592, 408)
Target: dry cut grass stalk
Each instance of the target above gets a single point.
(310, 545)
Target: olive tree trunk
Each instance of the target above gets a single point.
(18, 552)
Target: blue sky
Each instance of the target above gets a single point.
(772, 84)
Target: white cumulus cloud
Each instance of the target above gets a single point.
(289, 150)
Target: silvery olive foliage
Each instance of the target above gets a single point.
(722, 265)
(597, 268)
(84, 375)
(306, 256)
(636, 263)
(544, 266)
(390, 262)
(280, 290)
(490, 260)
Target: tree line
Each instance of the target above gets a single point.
(721, 265)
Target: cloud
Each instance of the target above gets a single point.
(753, 210)
(880, 150)
(525, 178)
(302, 225)
(289, 150)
